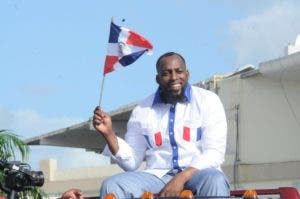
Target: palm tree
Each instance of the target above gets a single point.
(10, 143)
(10, 146)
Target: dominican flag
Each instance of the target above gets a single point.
(124, 47)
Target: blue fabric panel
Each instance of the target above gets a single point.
(114, 33)
(129, 59)
(199, 133)
(172, 137)
(148, 141)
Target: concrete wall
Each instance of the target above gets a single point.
(263, 130)
(87, 179)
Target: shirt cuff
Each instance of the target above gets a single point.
(123, 153)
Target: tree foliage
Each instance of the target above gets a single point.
(11, 146)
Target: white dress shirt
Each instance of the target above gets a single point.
(186, 134)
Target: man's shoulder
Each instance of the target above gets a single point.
(205, 98)
(146, 102)
(143, 107)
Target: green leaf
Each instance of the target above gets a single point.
(11, 144)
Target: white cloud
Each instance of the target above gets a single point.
(29, 123)
(6, 119)
(264, 36)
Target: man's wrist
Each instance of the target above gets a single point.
(188, 173)
(112, 142)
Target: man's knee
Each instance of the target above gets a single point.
(122, 185)
(109, 185)
(216, 177)
(211, 175)
(209, 182)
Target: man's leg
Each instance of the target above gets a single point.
(209, 182)
(131, 184)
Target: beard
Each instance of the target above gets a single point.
(172, 98)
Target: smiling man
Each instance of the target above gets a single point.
(180, 131)
(172, 77)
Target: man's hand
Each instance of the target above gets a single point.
(103, 124)
(72, 194)
(176, 184)
(173, 187)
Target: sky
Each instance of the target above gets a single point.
(52, 54)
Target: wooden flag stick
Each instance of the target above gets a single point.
(101, 90)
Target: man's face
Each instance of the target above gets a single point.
(172, 76)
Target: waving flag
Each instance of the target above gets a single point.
(124, 48)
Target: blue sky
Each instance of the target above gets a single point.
(52, 55)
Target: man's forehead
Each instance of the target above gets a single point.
(173, 61)
(172, 66)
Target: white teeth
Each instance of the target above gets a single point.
(175, 85)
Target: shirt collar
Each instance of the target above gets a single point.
(187, 94)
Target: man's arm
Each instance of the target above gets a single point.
(103, 124)
(128, 154)
(175, 186)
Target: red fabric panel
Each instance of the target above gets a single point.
(186, 133)
(158, 138)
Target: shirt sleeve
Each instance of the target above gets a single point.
(131, 150)
(214, 135)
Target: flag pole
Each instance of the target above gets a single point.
(103, 78)
(101, 90)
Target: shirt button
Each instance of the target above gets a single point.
(171, 120)
(171, 133)
(174, 160)
(174, 147)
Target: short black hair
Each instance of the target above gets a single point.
(167, 55)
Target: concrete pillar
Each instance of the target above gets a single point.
(49, 168)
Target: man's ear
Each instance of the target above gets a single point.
(188, 74)
(157, 79)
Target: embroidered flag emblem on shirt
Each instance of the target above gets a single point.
(186, 133)
(158, 138)
(124, 47)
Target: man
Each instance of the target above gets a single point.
(72, 194)
(181, 133)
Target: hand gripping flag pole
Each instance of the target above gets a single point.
(124, 48)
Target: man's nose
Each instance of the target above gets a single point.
(173, 75)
